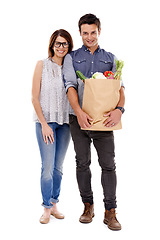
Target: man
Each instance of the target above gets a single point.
(88, 59)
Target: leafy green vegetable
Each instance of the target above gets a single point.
(98, 75)
(119, 66)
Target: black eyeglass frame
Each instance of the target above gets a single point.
(64, 44)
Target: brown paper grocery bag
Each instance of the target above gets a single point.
(100, 96)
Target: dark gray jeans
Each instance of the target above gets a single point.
(104, 144)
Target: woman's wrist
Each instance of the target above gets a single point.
(43, 123)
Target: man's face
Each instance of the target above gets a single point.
(90, 34)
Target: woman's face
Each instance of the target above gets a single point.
(60, 47)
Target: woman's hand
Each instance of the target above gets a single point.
(47, 133)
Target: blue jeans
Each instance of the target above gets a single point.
(52, 156)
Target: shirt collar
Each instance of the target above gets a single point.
(86, 49)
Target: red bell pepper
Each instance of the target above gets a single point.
(108, 73)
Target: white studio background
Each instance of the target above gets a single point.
(130, 30)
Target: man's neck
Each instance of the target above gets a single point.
(92, 49)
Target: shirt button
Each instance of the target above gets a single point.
(92, 62)
(91, 72)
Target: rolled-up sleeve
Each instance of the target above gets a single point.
(69, 75)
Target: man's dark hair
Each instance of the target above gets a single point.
(89, 19)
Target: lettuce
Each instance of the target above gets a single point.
(98, 75)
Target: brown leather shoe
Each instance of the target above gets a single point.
(88, 213)
(111, 220)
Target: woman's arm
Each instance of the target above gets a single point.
(36, 86)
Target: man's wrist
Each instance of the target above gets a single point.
(121, 109)
(78, 111)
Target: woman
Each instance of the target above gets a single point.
(52, 120)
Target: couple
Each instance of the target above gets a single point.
(55, 118)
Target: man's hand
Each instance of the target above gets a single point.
(113, 119)
(83, 119)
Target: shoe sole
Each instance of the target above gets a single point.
(58, 217)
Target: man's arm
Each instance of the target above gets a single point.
(71, 85)
(122, 98)
(114, 116)
(82, 117)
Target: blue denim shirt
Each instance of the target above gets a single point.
(82, 60)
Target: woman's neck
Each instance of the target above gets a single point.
(58, 60)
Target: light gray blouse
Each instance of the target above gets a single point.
(53, 98)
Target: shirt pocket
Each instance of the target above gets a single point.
(80, 65)
(105, 65)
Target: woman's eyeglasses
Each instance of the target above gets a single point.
(64, 44)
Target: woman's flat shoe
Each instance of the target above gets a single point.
(57, 215)
(44, 220)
